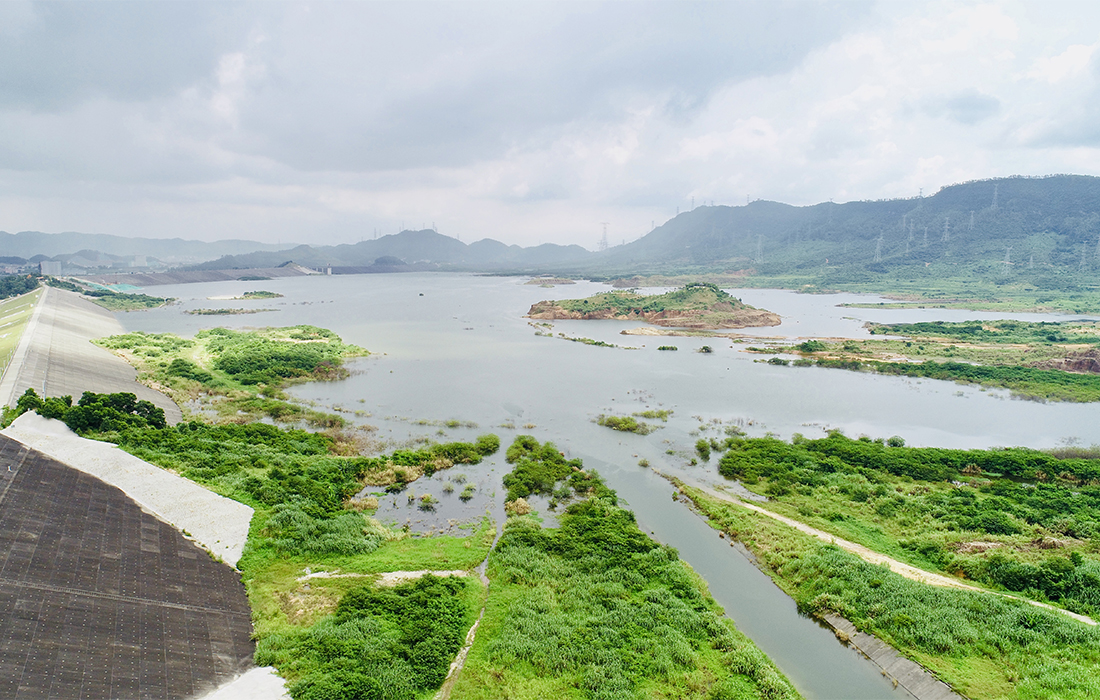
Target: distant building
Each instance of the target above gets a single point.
(139, 261)
(49, 267)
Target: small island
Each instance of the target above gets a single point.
(699, 305)
(259, 294)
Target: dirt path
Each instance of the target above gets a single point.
(871, 556)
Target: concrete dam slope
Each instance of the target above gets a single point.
(100, 599)
(55, 356)
(218, 524)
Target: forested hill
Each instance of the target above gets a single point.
(1040, 226)
(1040, 230)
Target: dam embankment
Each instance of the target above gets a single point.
(56, 357)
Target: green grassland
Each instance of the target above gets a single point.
(237, 376)
(1045, 360)
(596, 609)
(14, 314)
(983, 645)
(1014, 520)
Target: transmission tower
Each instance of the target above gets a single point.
(878, 248)
(994, 204)
(603, 240)
(946, 228)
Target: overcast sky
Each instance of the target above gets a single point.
(521, 121)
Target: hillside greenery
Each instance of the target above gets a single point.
(697, 296)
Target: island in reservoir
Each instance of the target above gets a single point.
(698, 306)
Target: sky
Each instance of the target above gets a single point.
(522, 121)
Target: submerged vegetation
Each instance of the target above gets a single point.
(626, 424)
(596, 609)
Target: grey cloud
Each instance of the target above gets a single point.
(455, 83)
(966, 107)
(56, 54)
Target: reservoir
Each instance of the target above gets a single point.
(454, 351)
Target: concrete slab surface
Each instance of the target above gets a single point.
(101, 600)
(218, 524)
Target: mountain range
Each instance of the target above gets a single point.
(1046, 228)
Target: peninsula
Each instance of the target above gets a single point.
(699, 306)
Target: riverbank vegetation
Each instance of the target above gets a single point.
(596, 609)
(1016, 520)
(225, 312)
(238, 376)
(1045, 360)
(124, 301)
(983, 645)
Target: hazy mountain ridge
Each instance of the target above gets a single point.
(1046, 226)
(29, 244)
(424, 246)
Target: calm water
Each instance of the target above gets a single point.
(456, 347)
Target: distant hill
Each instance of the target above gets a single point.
(411, 247)
(1020, 226)
(1043, 230)
(29, 244)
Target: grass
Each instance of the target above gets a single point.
(14, 315)
(1030, 359)
(238, 376)
(983, 645)
(596, 609)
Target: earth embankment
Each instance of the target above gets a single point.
(56, 357)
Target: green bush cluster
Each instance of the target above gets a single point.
(626, 424)
(14, 285)
(381, 644)
(942, 622)
(539, 467)
(94, 412)
(254, 359)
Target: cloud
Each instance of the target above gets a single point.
(529, 122)
(1070, 63)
